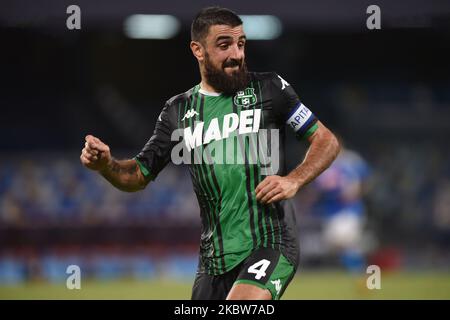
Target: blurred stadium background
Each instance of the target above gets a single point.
(385, 92)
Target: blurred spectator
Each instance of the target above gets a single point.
(339, 204)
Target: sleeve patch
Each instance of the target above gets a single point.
(311, 131)
(299, 117)
(145, 172)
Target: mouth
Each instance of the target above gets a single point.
(232, 68)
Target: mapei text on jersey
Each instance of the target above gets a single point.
(247, 121)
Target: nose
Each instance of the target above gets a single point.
(236, 53)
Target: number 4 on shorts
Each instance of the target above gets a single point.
(259, 268)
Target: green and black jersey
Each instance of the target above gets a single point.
(230, 144)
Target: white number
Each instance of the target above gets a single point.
(263, 265)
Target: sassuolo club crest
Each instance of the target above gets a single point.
(245, 98)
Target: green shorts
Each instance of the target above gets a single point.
(264, 267)
(267, 269)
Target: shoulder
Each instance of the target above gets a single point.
(270, 79)
(263, 76)
(170, 110)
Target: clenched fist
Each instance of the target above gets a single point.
(95, 154)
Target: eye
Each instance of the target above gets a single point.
(241, 44)
(224, 46)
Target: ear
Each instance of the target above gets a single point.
(197, 50)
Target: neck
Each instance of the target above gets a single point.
(204, 85)
(208, 91)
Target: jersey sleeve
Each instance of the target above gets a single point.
(290, 110)
(155, 155)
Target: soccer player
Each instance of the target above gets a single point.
(249, 247)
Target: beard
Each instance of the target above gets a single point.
(223, 82)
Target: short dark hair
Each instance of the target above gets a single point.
(210, 16)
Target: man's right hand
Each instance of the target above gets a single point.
(95, 154)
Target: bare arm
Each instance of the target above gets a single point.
(125, 175)
(323, 149)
